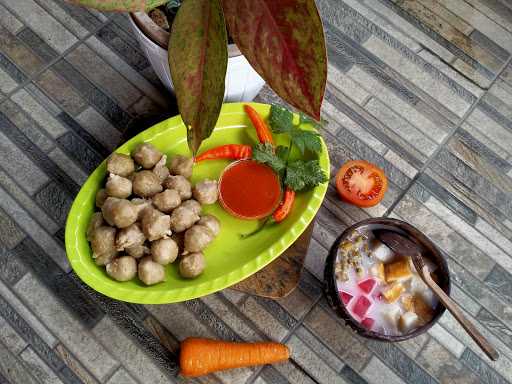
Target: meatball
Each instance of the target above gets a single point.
(120, 164)
(123, 268)
(193, 205)
(140, 206)
(129, 237)
(192, 265)
(197, 238)
(180, 184)
(146, 184)
(146, 155)
(155, 224)
(150, 272)
(182, 219)
(101, 196)
(206, 192)
(161, 169)
(119, 212)
(182, 165)
(95, 222)
(164, 251)
(211, 222)
(103, 244)
(137, 251)
(118, 186)
(167, 200)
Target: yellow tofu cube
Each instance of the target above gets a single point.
(393, 293)
(377, 270)
(398, 271)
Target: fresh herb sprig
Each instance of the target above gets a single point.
(299, 174)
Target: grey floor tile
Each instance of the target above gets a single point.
(18, 53)
(109, 79)
(38, 45)
(443, 365)
(481, 369)
(138, 363)
(61, 91)
(11, 268)
(22, 319)
(377, 372)
(38, 368)
(14, 369)
(49, 29)
(73, 371)
(68, 329)
(37, 112)
(10, 338)
(9, 21)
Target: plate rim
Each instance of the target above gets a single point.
(208, 287)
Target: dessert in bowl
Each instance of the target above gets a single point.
(377, 291)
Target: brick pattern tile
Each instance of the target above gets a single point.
(422, 88)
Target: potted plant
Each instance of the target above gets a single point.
(152, 29)
(282, 40)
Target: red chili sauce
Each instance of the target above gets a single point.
(249, 190)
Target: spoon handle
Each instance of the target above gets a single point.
(461, 318)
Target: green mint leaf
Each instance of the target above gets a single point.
(306, 140)
(264, 153)
(280, 119)
(302, 175)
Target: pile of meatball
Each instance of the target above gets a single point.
(151, 216)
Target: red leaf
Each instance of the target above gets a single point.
(198, 60)
(284, 42)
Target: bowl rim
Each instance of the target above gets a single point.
(228, 209)
(331, 290)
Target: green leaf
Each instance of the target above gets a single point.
(264, 153)
(284, 42)
(302, 175)
(282, 152)
(305, 119)
(306, 140)
(198, 60)
(120, 5)
(280, 119)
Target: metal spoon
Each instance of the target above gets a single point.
(405, 247)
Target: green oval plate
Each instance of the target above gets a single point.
(229, 258)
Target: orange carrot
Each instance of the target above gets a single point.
(285, 206)
(202, 356)
(262, 129)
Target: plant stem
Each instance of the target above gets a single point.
(268, 220)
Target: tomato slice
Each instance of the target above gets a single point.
(361, 183)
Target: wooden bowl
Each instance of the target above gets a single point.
(429, 250)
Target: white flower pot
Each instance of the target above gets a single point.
(243, 83)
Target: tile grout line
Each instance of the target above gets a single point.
(60, 56)
(292, 330)
(441, 146)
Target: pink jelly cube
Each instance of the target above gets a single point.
(367, 285)
(367, 323)
(361, 306)
(345, 297)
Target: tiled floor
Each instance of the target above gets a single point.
(422, 88)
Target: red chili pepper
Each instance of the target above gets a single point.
(262, 129)
(285, 206)
(227, 151)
